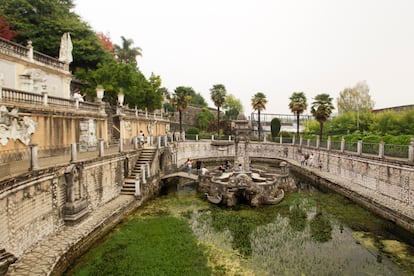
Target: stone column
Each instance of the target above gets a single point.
(359, 147)
(34, 160)
(135, 142)
(137, 187)
(45, 98)
(101, 147)
(165, 140)
(148, 170)
(328, 143)
(212, 137)
(308, 142)
(293, 140)
(318, 141)
(196, 137)
(281, 140)
(411, 150)
(73, 153)
(159, 141)
(381, 149)
(1, 85)
(121, 134)
(143, 174)
(342, 144)
(300, 140)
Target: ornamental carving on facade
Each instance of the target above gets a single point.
(13, 126)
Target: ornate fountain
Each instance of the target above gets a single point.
(243, 183)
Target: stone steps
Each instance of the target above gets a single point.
(145, 157)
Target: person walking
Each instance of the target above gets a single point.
(189, 164)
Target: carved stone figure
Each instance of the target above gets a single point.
(14, 127)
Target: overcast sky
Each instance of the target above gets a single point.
(272, 46)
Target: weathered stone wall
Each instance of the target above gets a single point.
(32, 207)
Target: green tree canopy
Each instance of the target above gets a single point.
(259, 102)
(204, 118)
(321, 109)
(180, 100)
(218, 96)
(297, 105)
(356, 99)
(126, 53)
(45, 21)
(232, 106)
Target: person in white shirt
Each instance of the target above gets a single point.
(77, 95)
(204, 170)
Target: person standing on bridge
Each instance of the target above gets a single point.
(189, 165)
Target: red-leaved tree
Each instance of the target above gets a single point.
(106, 42)
(5, 30)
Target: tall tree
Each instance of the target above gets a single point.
(259, 102)
(218, 96)
(355, 99)
(126, 53)
(321, 109)
(297, 105)
(180, 100)
(233, 107)
(44, 21)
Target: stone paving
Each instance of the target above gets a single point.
(42, 258)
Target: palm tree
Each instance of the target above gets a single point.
(321, 109)
(259, 102)
(126, 54)
(218, 96)
(180, 101)
(298, 105)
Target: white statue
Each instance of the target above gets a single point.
(66, 47)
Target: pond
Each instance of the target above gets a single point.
(309, 233)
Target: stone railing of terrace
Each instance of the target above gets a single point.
(379, 150)
(13, 49)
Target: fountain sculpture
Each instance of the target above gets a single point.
(257, 186)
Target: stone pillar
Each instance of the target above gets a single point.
(342, 144)
(30, 47)
(137, 187)
(73, 152)
(34, 160)
(1, 85)
(229, 138)
(212, 137)
(45, 98)
(148, 169)
(264, 138)
(135, 142)
(293, 140)
(300, 140)
(308, 142)
(159, 141)
(381, 149)
(121, 134)
(196, 137)
(281, 140)
(101, 147)
(165, 140)
(328, 143)
(143, 174)
(411, 150)
(359, 147)
(318, 141)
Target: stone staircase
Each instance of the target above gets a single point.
(145, 157)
